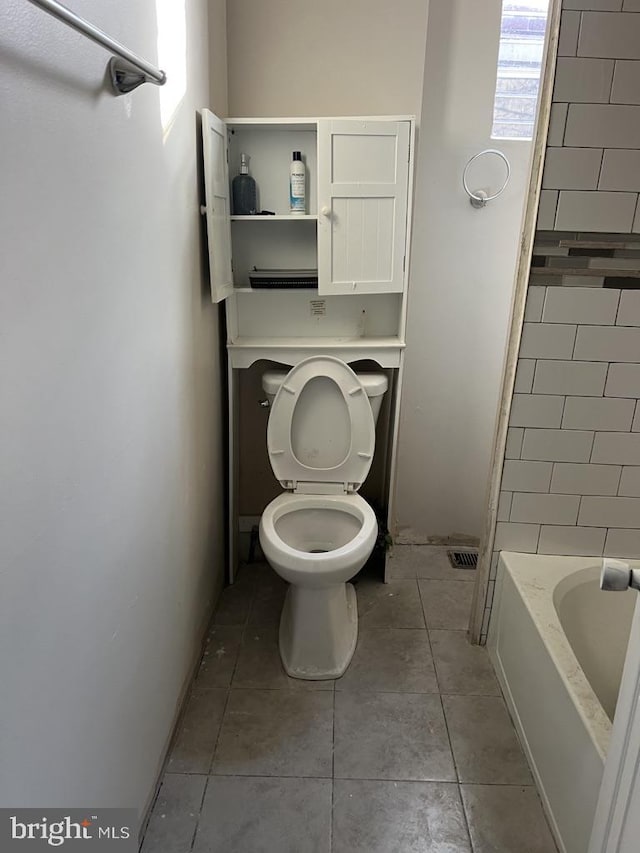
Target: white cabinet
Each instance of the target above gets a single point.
(355, 228)
(354, 233)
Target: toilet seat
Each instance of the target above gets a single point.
(341, 419)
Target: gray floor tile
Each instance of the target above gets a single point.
(398, 817)
(504, 819)
(461, 666)
(389, 605)
(265, 815)
(235, 603)
(391, 736)
(194, 744)
(425, 561)
(175, 814)
(255, 572)
(276, 733)
(447, 604)
(259, 664)
(485, 745)
(268, 599)
(220, 655)
(392, 660)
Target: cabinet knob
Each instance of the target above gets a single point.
(325, 210)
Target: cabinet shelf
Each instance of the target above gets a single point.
(279, 217)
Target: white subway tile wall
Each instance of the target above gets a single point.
(623, 380)
(629, 310)
(569, 31)
(580, 80)
(620, 167)
(572, 486)
(572, 168)
(626, 82)
(524, 375)
(602, 126)
(605, 5)
(606, 35)
(571, 541)
(557, 125)
(581, 305)
(584, 378)
(596, 211)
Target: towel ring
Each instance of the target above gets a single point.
(479, 198)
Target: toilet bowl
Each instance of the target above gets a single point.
(319, 534)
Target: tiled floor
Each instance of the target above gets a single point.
(411, 751)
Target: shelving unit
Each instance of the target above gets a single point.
(355, 233)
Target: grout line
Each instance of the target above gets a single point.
(333, 765)
(372, 779)
(465, 817)
(446, 728)
(229, 688)
(197, 826)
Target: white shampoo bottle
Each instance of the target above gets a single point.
(297, 181)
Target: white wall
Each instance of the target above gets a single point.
(460, 285)
(111, 457)
(362, 57)
(218, 55)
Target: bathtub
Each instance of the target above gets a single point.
(558, 644)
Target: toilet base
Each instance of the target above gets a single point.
(318, 631)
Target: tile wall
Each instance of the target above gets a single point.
(571, 474)
(592, 167)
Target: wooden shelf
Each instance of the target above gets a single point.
(279, 217)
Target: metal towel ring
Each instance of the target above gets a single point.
(479, 199)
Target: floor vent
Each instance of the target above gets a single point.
(463, 559)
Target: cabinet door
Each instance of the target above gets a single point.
(218, 210)
(363, 178)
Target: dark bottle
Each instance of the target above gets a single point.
(243, 188)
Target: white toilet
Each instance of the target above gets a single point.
(320, 532)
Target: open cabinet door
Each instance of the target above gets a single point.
(363, 185)
(218, 209)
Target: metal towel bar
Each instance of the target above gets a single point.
(125, 75)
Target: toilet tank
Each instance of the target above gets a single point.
(375, 385)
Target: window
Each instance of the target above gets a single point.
(522, 34)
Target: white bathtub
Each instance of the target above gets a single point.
(558, 645)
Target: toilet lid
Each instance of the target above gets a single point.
(321, 432)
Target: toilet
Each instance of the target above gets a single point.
(320, 532)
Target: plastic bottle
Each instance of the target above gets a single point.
(297, 180)
(243, 188)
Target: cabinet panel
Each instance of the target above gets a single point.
(363, 175)
(216, 179)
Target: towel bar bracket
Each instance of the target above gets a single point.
(126, 70)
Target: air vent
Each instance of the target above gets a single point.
(463, 559)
